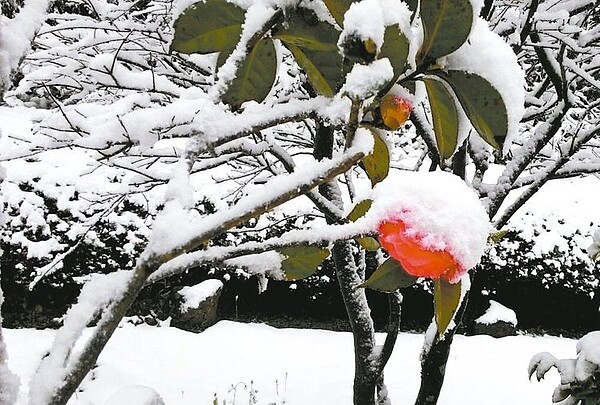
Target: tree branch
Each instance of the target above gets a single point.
(568, 148)
(211, 226)
(523, 157)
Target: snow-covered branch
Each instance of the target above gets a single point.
(523, 157)
(164, 247)
(567, 148)
(16, 36)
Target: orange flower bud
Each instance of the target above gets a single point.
(416, 259)
(395, 111)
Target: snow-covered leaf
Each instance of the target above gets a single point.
(389, 277)
(206, 27)
(338, 8)
(314, 46)
(445, 117)
(446, 26)
(446, 302)
(482, 103)
(540, 364)
(255, 76)
(301, 261)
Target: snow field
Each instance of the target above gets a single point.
(293, 365)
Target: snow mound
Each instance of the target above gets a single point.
(193, 296)
(497, 312)
(135, 395)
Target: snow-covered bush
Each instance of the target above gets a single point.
(578, 377)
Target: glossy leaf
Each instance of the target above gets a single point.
(446, 302)
(255, 76)
(206, 27)
(377, 164)
(301, 261)
(313, 43)
(389, 277)
(445, 116)
(446, 26)
(482, 103)
(337, 8)
(359, 210)
(395, 48)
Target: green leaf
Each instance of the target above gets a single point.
(321, 69)
(445, 116)
(389, 277)
(301, 261)
(368, 243)
(359, 210)
(446, 26)
(446, 302)
(395, 48)
(337, 8)
(255, 76)
(206, 27)
(313, 43)
(497, 236)
(482, 103)
(377, 164)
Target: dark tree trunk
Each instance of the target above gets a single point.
(366, 372)
(433, 363)
(433, 371)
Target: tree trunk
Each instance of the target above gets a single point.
(433, 371)
(366, 373)
(433, 362)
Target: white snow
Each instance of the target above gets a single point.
(194, 295)
(365, 80)
(487, 55)
(365, 20)
(292, 365)
(16, 35)
(95, 296)
(497, 312)
(135, 395)
(593, 250)
(265, 263)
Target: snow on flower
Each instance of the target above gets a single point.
(432, 223)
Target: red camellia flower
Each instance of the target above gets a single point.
(416, 259)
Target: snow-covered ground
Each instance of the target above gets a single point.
(291, 366)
